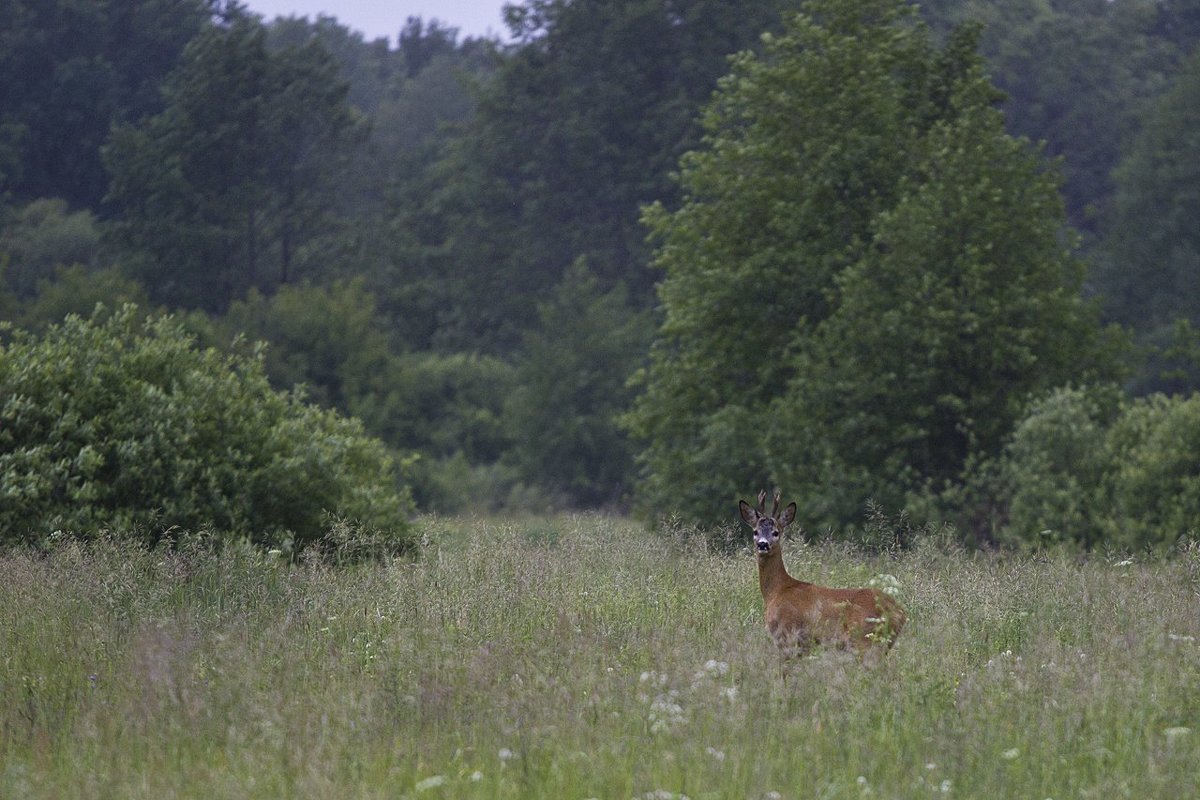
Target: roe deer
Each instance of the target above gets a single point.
(801, 614)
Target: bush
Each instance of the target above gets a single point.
(121, 423)
(1153, 490)
(1055, 468)
(1086, 467)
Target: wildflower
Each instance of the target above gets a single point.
(652, 677)
(476, 776)
(506, 755)
(432, 782)
(1011, 754)
(945, 787)
(886, 584)
(666, 712)
(719, 755)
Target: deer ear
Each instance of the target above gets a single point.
(788, 515)
(749, 515)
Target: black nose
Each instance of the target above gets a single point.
(763, 547)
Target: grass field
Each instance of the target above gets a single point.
(583, 657)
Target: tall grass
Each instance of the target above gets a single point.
(582, 657)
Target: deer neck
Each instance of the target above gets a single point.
(773, 577)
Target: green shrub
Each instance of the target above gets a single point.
(1089, 468)
(121, 423)
(1054, 468)
(1153, 490)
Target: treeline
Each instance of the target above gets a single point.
(445, 238)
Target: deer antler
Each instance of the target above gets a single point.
(762, 501)
(775, 510)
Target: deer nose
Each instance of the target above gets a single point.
(763, 546)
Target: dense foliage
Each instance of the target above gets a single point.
(1089, 468)
(119, 423)
(241, 161)
(580, 125)
(1150, 271)
(68, 70)
(865, 282)
(570, 387)
(441, 236)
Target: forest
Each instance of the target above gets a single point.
(934, 263)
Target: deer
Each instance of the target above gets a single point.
(800, 615)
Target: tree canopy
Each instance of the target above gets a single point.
(857, 262)
(238, 161)
(865, 281)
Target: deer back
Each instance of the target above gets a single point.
(804, 614)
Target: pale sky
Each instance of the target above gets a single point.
(384, 18)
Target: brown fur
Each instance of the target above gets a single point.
(800, 614)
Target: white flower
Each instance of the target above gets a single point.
(666, 712)
(1011, 754)
(506, 755)
(888, 584)
(432, 782)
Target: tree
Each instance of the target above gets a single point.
(965, 306)
(43, 237)
(420, 43)
(1076, 76)
(580, 125)
(827, 278)
(571, 383)
(325, 339)
(1149, 274)
(77, 290)
(221, 191)
(444, 411)
(68, 71)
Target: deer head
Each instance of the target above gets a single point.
(768, 529)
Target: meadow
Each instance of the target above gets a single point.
(580, 657)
